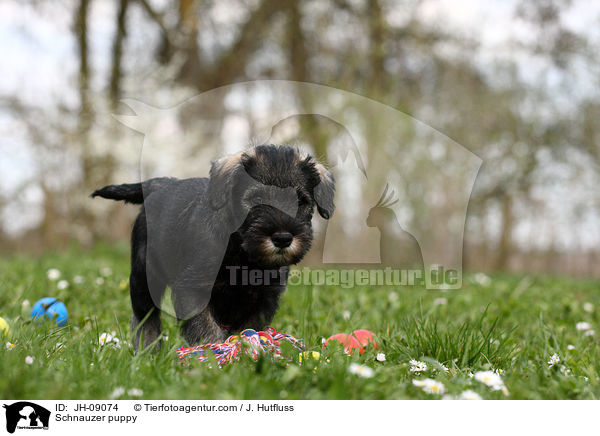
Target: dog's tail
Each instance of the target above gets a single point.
(132, 192)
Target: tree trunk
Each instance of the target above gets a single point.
(505, 242)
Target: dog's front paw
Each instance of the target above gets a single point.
(215, 338)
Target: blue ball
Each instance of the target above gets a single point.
(50, 308)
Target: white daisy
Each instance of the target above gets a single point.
(78, 280)
(499, 371)
(444, 368)
(470, 395)
(417, 366)
(590, 333)
(570, 347)
(482, 279)
(99, 281)
(440, 301)
(588, 307)
(346, 314)
(554, 359)
(583, 326)
(380, 357)
(135, 392)
(10, 345)
(430, 386)
(105, 338)
(564, 370)
(491, 379)
(393, 297)
(62, 284)
(29, 360)
(117, 392)
(106, 271)
(53, 274)
(361, 370)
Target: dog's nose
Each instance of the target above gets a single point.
(282, 239)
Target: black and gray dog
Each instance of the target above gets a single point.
(224, 243)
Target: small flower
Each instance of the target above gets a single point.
(482, 279)
(417, 366)
(583, 326)
(564, 370)
(470, 395)
(361, 370)
(53, 274)
(62, 284)
(308, 355)
(554, 359)
(10, 345)
(105, 338)
(380, 357)
(444, 368)
(29, 360)
(430, 386)
(590, 333)
(570, 347)
(99, 281)
(440, 301)
(393, 297)
(499, 371)
(117, 392)
(106, 271)
(588, 307)
(78, 280)
(346, 314)
(491, 379)
(135, 392)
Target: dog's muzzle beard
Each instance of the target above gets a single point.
(272, 239)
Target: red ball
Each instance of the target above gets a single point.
(348, 342)
(365, 337)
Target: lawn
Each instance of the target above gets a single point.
(510, 324)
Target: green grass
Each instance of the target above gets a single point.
(514, 324)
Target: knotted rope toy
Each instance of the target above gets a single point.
(249, 341)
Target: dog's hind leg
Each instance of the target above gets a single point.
(145, 321)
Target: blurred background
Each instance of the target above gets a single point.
(514, 83)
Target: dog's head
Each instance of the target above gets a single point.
(273, 191)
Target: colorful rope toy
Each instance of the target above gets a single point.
(248, 342)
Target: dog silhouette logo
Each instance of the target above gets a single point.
(26, 415)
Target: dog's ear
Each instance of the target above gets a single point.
(223, 176)
(324, 191)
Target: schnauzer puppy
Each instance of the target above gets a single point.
(223, 244)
